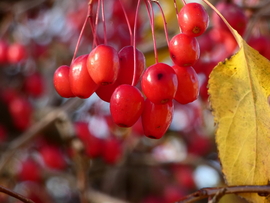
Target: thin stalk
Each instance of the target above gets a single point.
(129, 26)
(96, 22)
(164, 22)
(81, 33)
(134, 43)
(103, 21)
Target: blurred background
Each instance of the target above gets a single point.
(58, 150)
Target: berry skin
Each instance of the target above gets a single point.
(16, 53)
(126, 57)
(61, 81)
(188, 84)
(30, 171)
(184, 50)
(126, 105)
(53, 157)
(105, 92)
(156, 118)
(112, 150)
(81, 83)
(193, 19)
(159, 83)
(103, 64)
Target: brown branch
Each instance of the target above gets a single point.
(15, 195)
(34, 130)
(262, 190)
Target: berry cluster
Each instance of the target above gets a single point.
(113, 76)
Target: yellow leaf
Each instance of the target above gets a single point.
(239, 90)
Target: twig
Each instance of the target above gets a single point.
(210, 192)
(34, 130)
(15, 195)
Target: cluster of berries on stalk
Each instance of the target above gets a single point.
(115, 76)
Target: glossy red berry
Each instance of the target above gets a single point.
(81, 83)
(126, 72)
(103, 64)
(105, 92)
(193, 19)
(156, 118)
(61, 82)
(126, 105)
(159, 83)
(184, 50)
(188, 84)
(16, 53)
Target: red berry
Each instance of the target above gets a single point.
(21, 112)
(126, 72)
(126, 105)
(112, 150)
(156, 118)
(34, 84)
(81, 83)
(53, 157)
(3, 52)
(16, 53)
(93, 145)
(61, 81)
(29, 171)
(233, 14)
(105, 92)
(188, 84)
(159, 83)
(193, 19)
(103, 64)
(184, 50)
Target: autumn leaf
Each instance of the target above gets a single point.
(239, 90)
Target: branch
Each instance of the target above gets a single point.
(15, 195)
(34, 130)
(262, 190)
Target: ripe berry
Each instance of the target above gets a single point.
(61, 81)
(193, 19)
(126, 105)
(233, 14)
(3, 52)
(112, 150)
(16, 53)
(81, 83)
(29, 171)
(126, 57)
(188, 84)
(34, 85)
(53, 157)
(184, 50)
(103, 64)
(93, 145)
(156, 118)
(105, 92)
(159, 83)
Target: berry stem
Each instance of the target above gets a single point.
(103, 21)
(81, 33)
(128, 24)
(15, 195)
(96, 22)
(151, 18)
(164, 22)
(95, 42)
(176, 12)
(134, 42)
